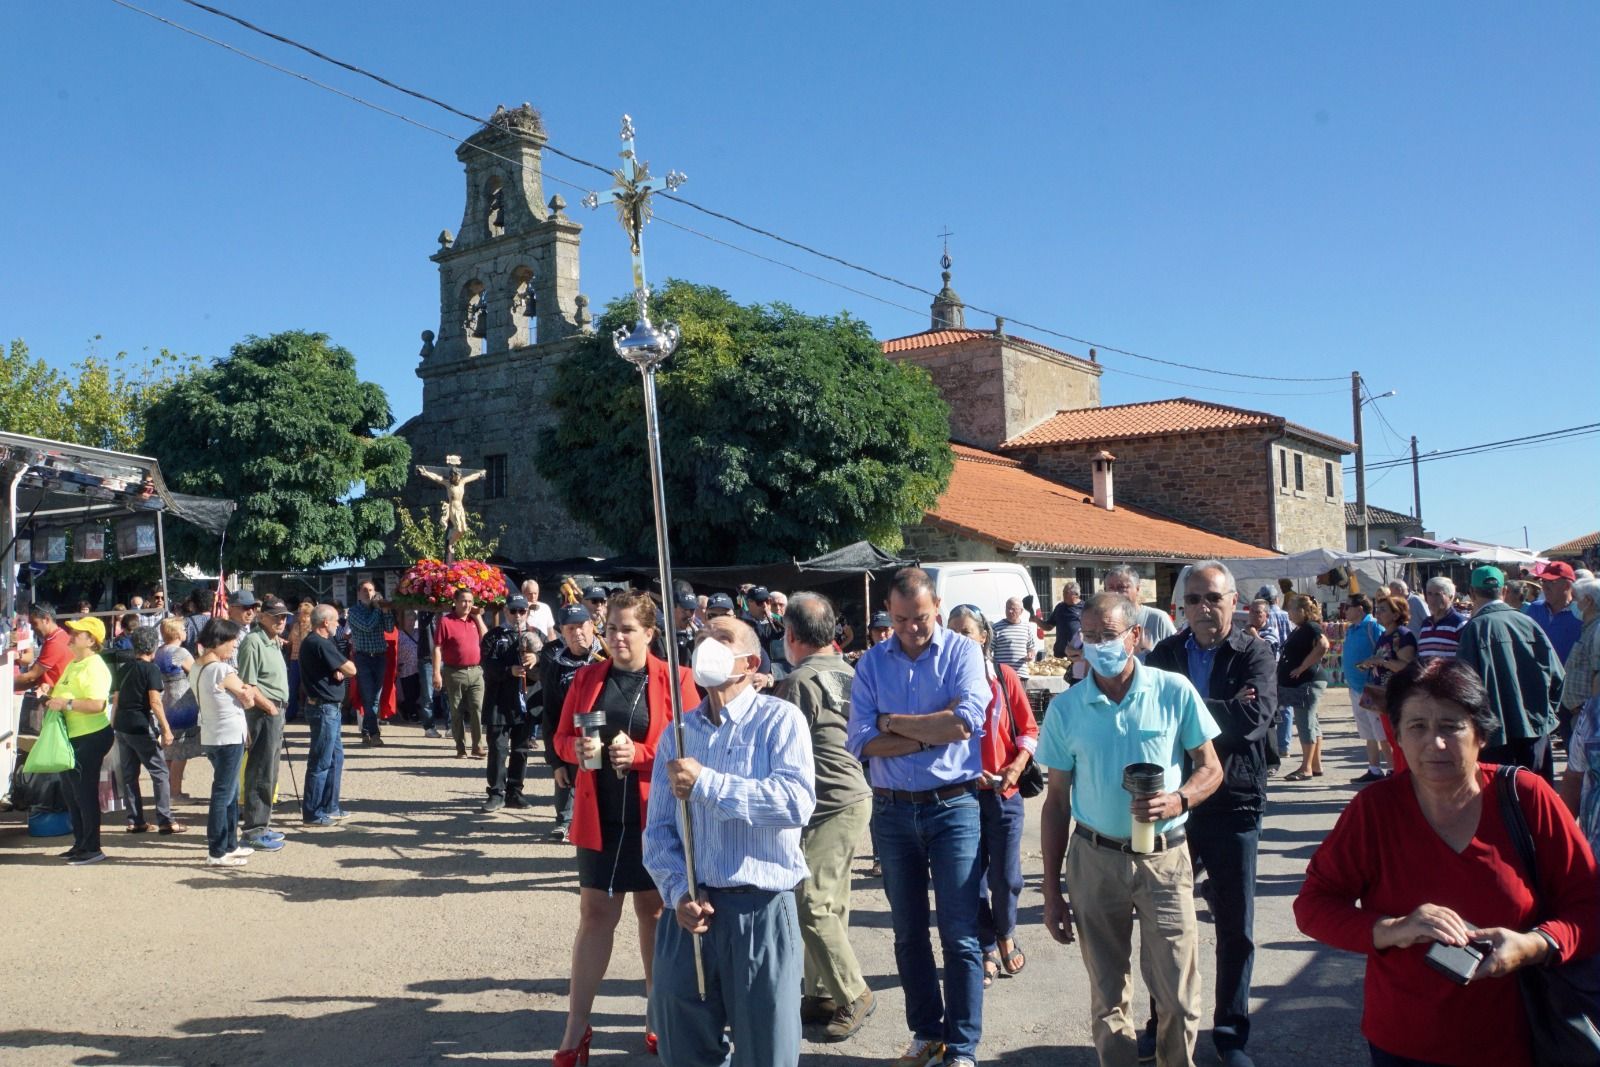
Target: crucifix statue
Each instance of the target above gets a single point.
(452, 510)
(647, 347)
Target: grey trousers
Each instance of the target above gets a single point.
(753, 968)
(142, 750)
(265, 741)
(829, 844)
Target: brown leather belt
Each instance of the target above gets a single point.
(926, 796)
(1163, 841)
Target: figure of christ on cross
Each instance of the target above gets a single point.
(452, 510)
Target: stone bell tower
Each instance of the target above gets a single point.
(509, 314)
(509, 279)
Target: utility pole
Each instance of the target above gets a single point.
(1361, 461)
(1416, 484)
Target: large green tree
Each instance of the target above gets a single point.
(98, 402)
(783, 434)
(284, 427)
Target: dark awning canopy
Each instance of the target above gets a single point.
(845, 564)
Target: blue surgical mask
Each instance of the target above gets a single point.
(1108, 658)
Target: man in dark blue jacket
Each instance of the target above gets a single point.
(1236, 673)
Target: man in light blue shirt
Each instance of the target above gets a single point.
(917, 709)
(748, 775)
(1360, 642)
(1125, 713)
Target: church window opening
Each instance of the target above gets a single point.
(524, 307)
(494, 477)
(495, 205)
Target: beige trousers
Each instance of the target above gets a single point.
(1108, 890)
(823, 901)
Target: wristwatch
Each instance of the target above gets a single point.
(1183, 800)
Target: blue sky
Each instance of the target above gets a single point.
(1405, 190)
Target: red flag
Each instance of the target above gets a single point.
(219, 603)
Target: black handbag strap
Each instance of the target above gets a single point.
(1517, 824)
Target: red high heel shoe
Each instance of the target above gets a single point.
(651, 1043)
(573, 1057)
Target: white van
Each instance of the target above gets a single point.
(987, 585)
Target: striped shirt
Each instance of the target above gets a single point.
(1437, 639)
(755, 793)
(1015, 644)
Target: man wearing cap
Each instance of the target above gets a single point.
(458, 670)
(242, 610)
(51, 654)
(718, 605)
(1125, 714)
(578, 647)
(878, 630)
(768, 627)
(687, 627)
(509, 653)
(370, 618)
(1520, 671)
(594, 598)
(261, 664)
(1554, 613)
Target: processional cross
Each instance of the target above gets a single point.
(647, 347)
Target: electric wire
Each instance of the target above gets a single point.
(679, 199)
(1508, 444)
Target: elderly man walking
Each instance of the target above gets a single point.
(1016, 642)
(1236, 674)
(834, 991)
(370, 618)
(1126, 713)
(1520, 670)
(1439, 633)
(917, 709)
(746, 770)
(1154, 625)
(324, 670)
(262, 666)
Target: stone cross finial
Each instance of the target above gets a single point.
(427, 345)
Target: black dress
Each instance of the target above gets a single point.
(618, 866)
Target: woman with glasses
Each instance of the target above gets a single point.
(1009, 736)
(632, 691)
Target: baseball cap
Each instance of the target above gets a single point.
(271, 605)
(516, 602)
(881, 619)
(1556, 571)
(719, 602)
(572, 614)
(244, 598)
(89, 625)
(596, 592)
(1488, 578)
(758, 594)
(686, 601)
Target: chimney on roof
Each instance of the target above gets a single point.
(1102, 480)
(999, 326)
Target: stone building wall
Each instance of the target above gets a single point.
(1310, 510)
(1037, 385)
(970, 377)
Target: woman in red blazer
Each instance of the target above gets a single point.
(632, 689)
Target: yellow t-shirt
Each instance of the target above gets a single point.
(85, 679)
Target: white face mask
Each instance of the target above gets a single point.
(713, 664)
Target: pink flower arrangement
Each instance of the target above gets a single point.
(431, 584)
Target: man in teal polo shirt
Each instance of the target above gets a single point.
(1126, 714)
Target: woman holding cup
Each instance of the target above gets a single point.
(611, 721)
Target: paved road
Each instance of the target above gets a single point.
(424, 933)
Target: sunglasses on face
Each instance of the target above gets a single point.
(519, 611)
(1192, 599)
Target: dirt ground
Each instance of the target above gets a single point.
(421, 932)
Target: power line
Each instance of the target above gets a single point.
(1548, 437)
(676, 198)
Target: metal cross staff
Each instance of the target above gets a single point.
(647, 347)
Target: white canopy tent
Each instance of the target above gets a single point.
(1372, 569)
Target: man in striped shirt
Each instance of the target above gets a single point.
(1440, 633)
(1015, 640)
(749, 778)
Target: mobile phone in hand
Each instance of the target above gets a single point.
(1459, 963)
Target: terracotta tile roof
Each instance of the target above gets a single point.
(1575, 547)
(1376, 516)
(934, 338)
(992, 499)
(1157, 418)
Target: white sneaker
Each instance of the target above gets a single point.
(241, 852)
(920, 1053)
(230, 860)
(430, 732)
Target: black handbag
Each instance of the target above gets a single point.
(1562, 1002)
(1030, 783)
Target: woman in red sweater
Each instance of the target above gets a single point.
(1424, 857)
(1010, 734)
(633, 689)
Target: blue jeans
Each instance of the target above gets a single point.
(1000, 856)
(370, 669)
(292, 713)
(324, 762)
(222, 819)
(941, 837)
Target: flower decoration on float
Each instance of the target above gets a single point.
(431, 584)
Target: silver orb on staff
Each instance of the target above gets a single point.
(647, 346)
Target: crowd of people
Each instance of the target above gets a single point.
(737, 847)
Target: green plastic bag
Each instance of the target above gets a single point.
(52, 753)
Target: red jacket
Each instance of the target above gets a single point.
(1010, 701)
(587, 686)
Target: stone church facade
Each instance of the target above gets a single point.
(509, 313)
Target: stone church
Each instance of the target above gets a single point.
(509, 312)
